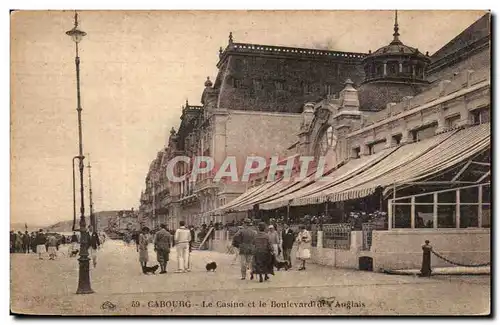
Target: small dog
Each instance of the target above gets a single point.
(150, 269)
(282, 265)
(74, 253)
(212, 266)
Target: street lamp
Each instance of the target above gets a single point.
(84, 265)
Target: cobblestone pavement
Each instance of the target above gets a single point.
(48, 287)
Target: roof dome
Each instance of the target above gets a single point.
(396, 47)
(396, 61)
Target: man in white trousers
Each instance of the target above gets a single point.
(182, 238)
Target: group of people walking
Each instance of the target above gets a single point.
(260, 250)
(163, 241)
(43, 243)
(39, 243)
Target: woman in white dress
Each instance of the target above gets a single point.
(41, 240)
(304, 246)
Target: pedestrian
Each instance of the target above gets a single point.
(193, 237)
(244, 241)
(304, 246)
(287, 240)
(236, 250)
(52, 246)
(182, 239)
(26, 242)
(162, 244)
(211, 238)
(19, 242)
(12, 241)
(274, 240)
(33, 242)
(142, 248)
(73, 247)
(94, 246)
(40, 244)
(263, 257)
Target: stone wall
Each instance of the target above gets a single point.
(477, 61)
(402, 248)
(260, 133)
(257, 82)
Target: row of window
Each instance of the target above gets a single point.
(306, 88)
(394, 69)
(478, 116)
(281, 66)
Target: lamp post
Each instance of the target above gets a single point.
(84, 270)
(93, 221)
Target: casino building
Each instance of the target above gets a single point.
(402, 132)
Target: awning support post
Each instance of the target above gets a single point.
(480, 207)
(287, 212)
(457, 209)
(412, 213)
(435, 211)
(389, 215)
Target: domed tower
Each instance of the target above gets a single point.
(392, 72)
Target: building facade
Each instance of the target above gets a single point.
(269, 100)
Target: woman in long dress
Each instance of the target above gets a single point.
(304, 246)
(263, 257)
(74, 247)
(142, 248)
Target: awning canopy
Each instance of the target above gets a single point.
(245, 196)
(278, 186)
(339, 174)
(361, 177)
(409, 163)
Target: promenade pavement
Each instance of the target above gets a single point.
(48, 288)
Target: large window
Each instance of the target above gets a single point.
(327, 141)
(462, 207)
(452, 121)
(376, 146)
(480, 115)
(424, 132)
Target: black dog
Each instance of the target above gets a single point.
(74, 253)
(282, 265)
(212, 266)
(149, 269)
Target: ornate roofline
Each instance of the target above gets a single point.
(284, 51)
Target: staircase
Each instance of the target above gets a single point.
(196, 245)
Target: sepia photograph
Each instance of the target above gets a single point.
(250, 162)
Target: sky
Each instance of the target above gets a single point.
(137, 70)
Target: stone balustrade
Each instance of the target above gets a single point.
(293, 51)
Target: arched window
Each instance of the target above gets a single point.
(327, 141)
(392, 68)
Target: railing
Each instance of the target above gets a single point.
(367, 229)
(231, 232)
(204, 183)
(337, 236)
(314, 235)
(294, 50)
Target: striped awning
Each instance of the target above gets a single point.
(412, 162)
(278, 186)
(339, 174)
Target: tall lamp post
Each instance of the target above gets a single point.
(93, 221)
(84, 270)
